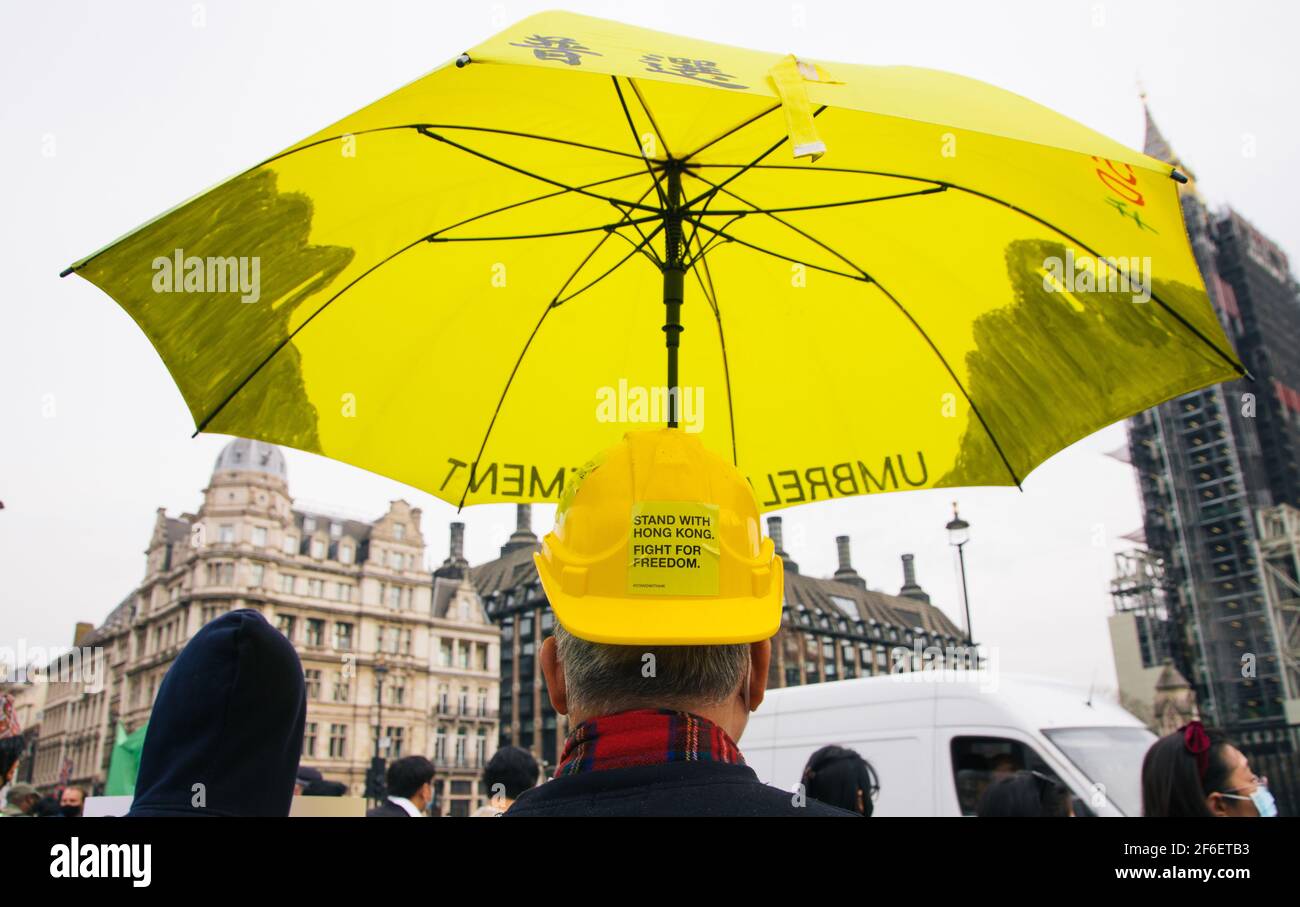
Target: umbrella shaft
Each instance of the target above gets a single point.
(674, 273)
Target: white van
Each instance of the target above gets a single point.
(936, 738)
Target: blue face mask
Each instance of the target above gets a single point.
(1265, 805)
(1264, 802)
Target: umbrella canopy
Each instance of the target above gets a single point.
(880, 278)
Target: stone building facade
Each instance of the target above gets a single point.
(353, 597)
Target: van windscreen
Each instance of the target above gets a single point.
(1109, 756)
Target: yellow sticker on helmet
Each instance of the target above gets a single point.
(673, 549)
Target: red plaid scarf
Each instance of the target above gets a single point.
(645, 737)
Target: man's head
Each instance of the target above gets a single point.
(723, 683)
(72, 801)
(412, 779)
(666, 593)
(23, 797)
(511, 771)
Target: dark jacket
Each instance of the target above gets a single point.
(668, 789)
(388, 810)
(229, 716)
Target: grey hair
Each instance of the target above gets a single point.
(600, 678)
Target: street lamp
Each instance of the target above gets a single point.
(381, 671)
(958, 536)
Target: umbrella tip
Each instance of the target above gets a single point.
(462, 61)
(66, 271)
(1178, 177)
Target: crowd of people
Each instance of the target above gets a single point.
(228, 721)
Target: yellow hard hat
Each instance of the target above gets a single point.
(657, 542)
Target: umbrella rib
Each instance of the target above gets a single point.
(419, 126)
(943, 359)
(734, 129)
(663, 199)
(528, 173)
(428, 237)
(719, 187)
(714, 241)
(755, 162)
(637, 247)
(1239, 369)
(817, 207)
(915, 324)
(711, 294)
(538, 198)
(865, 278)
(642, 246)
(469, 482)
(606, 227)
(649, 116)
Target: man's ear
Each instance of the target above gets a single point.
(553, 671)
(760, 656)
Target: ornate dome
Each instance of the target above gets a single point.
(252, 456)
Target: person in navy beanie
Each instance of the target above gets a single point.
(225, 735)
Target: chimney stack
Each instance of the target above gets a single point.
(774, 533)
(846, 573)
(455, 566)
(523, 536)
(910, 588)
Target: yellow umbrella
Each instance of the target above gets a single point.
(881, 278)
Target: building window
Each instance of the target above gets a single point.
(399, 531)
(309, 740)
(226, 534)
(221, 574)
(259, 536)
(342, 688)
(444, 653)
(318, 548)
(343, 636)
(461, 739)
(462, 655)
(395, 597)
(394, 560)
(284, 623)
(345, 553)
(440, 746)
(312, 678)
(286, 583)
(406, 642)
(258, 574)
(336, 530)
(395, 735)
(313, 588)
(338, 741)
(315, 632)
(290, 544)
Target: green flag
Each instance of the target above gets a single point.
(125, 761)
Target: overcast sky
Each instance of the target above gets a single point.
(113, 113)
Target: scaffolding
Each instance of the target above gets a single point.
(1279, 553)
